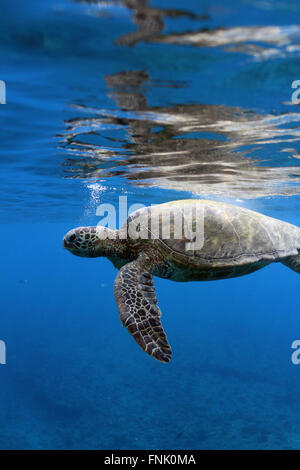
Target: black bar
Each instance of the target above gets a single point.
(137, 458)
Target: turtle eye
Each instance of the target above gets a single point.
(72, 237)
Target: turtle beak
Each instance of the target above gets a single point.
(65, 243)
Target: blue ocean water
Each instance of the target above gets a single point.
(157, 101)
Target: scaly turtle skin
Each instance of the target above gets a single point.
(190, 240)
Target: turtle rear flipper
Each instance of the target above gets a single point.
(293, 262)
(136, 299)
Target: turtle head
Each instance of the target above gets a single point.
(90, 242)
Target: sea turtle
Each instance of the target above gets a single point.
(234, 241)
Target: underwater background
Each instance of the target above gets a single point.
(154, 100)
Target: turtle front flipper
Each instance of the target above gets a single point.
(136, 299)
